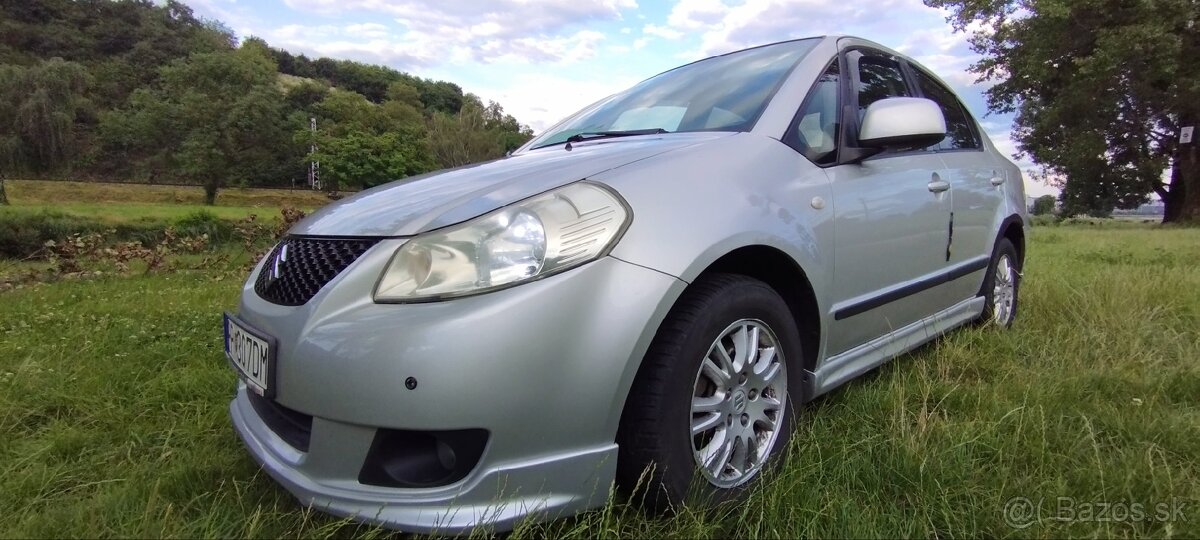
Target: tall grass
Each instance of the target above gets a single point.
(113, 397)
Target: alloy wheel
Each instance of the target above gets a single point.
(738, 403)
(1004, 291)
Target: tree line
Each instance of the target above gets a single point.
(133, 89)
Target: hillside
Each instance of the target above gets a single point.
(137, 90)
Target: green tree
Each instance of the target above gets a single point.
(39, 110)
(1102, 90)
(161, 83)
(304, 96)
(477, 133)
(404, 93)
(343, 112)
(366, 159)
(461, 139)
(363, 144)
(216, 118)
(1043, 205)
(442, 96)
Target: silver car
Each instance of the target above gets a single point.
(643, 296)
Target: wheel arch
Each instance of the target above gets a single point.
(1013, 229)
(783, 274)
(766, 263)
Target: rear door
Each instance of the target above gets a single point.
(977, 182)
(891, 217)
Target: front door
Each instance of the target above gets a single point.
(892, 214)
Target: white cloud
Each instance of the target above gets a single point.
(568, 49)
(368, 30)
(947, 54)
(374, 43)
(661, 31)
(726, 27)
(697, 14)
(509, 18)
(429, 32)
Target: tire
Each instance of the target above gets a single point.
(658, 457)
(1001, 310)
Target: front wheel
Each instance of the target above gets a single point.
(713, 402)
(1001, 286)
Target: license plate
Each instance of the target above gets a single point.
(252, 354)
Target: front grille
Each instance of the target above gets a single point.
(298, 267)
(294, 427)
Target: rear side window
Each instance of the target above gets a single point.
(960, 130)
(815, 131)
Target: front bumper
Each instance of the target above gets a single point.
(543, 367)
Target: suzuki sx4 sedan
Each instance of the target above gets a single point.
(644, 296)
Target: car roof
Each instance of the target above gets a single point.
(838, 38)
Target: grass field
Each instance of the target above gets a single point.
(137, 201)
(42, 211)
(113, 397)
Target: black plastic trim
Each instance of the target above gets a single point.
(294, 427)
(348, 237)
(962, 270)
(422, 459)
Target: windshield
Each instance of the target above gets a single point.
(723, 93)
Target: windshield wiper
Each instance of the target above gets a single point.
(589, 135)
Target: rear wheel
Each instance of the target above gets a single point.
(1001, 286)
(713, 403)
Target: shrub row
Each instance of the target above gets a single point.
(24, 235)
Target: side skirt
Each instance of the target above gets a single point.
(841, 368)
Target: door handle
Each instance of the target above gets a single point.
(938, 186)
(997, 180)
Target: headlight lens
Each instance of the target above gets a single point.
(528, 240)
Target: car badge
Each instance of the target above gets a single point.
(277, 265)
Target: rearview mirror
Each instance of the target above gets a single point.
(902, 122)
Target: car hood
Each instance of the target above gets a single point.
(431, 201)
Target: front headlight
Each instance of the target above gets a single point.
(521, 242)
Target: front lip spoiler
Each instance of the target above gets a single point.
(456, 509)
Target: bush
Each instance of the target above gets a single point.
(24, 235)
(204, 222)
(1045, 220)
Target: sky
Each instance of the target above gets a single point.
(545, 59)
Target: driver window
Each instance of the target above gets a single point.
(879, 77)
(816, 127)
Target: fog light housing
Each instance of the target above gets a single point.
(422, 459)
